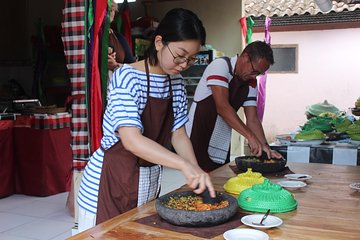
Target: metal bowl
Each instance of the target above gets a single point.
(195, 218)
(257, 165)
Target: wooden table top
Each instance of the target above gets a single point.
(327, 209)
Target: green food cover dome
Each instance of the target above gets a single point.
(319, 108)
(268, 195)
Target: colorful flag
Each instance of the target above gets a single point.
(262, 79)
(243, 27)
(74, 37)
(250, 24)
(126, 22)
(95, 87)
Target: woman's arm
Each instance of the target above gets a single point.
(151, 151)
(183, 146)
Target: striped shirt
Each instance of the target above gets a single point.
(126, 102)
(217, 74)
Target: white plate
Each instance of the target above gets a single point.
(269, 222)
(355, 186)
(355, 142)
(298, 176)
(289, 139)
(306, 142)
(245, 234)
(292, 185)
(285, 139)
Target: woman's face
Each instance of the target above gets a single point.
(175, 57)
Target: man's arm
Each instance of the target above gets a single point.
(226, 111)
(253, 122)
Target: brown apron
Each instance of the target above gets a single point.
(114, 42)
(119, 181)
(205, 118)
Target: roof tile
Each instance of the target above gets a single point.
(280, 8)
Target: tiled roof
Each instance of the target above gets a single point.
(280, 8)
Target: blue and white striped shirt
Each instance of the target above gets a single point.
(126, 102)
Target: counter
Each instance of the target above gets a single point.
(339, 154)
(327, 209)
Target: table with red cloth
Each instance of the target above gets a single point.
(7, 186)
(42, 156)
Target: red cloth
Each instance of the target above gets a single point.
(6, 162)
(244, 29)
(95, 88)
(51, 121)
(43, 161)
(125, 16)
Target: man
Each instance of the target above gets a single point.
(226, 85)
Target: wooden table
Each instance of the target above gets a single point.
(327, 209)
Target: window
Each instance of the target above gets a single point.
(286, 59)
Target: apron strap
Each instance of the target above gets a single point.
(227, 60)
(148, 80)
(147, 77)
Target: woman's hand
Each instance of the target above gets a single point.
(112, 64)
(147, 149)
(197, 179)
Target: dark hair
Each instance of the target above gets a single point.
(258, 50)
(178, 25)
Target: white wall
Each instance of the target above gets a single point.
(329, 68)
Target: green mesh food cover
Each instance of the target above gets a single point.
(261, 197)
(319, 108)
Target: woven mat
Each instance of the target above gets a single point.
(205, 232)
(276, 174)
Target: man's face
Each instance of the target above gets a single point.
(251, 69)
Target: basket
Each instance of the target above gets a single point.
(261, 197)
(236, 185)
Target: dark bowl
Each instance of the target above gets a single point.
(195, 218)
(355, 111)
(257, 165)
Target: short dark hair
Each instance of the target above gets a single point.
(179, 24)
(258, 50)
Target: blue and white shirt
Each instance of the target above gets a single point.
(126, 102)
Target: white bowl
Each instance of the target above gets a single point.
(269, 222)
(245, 234)
(292, 185)
(355, 185)
(298, 176)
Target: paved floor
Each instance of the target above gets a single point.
(43, 218)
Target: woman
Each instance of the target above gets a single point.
(119, 50)
(146, 110)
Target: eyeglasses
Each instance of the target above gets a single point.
(180, 59)
(254, 72)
